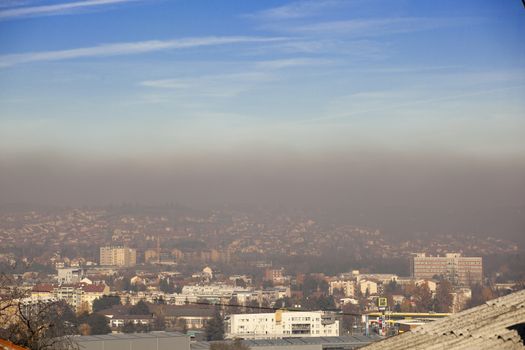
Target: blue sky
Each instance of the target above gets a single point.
(131, 77)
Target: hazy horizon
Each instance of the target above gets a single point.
(407, 115)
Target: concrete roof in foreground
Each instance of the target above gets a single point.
(347, 341)
(497, 324)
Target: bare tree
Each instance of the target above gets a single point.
(35, 324)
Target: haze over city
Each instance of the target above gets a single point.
(319, 156)
(373, 109)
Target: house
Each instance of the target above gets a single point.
(91, 292)
(282, 324)
(119, 321)
(192, 317)
(42, 291)
(432, 285)
(119, 315)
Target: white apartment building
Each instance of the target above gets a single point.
(282, 324)
(347, 286)
(69, 275)
(367, 286)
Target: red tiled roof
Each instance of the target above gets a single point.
(7, 345)
(43, 288)
(93, 288)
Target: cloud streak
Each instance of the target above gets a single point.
(233, 84)
(129, 48)
(414, 103)
(294, 10)
(373, 26)
(57, 9)
(220, 85)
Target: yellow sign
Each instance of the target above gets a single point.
(278, 316)
(382, 302)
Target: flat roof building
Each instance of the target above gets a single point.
(282, 324)
(456, 268)
(134, 341)
(118, 256)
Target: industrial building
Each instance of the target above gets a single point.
(178, 341)
(347, 342)
(134, 341)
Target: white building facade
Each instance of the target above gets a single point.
(282, 324)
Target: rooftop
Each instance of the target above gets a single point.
(497, 324)
(347, 342)
(127, 336)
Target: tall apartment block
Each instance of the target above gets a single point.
(458, 269)
(118, 256)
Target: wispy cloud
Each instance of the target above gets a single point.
(56, 9)
(13, 3)
(297, 9)
(291, 62)
(372, 27)
(412, 103)
(219, 85)
(127, 49)
(232, 84)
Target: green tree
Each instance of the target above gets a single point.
(129, 327)
(239, 282)
(215, 327)
(233, 306)
(309, 286)
(320, 303)
(105, 302)
(140, 308)
(393, 288)
(97, 323)
(166, 286)
(283, 302)
(253, 306)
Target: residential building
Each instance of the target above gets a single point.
(79, 296)
(367, 287)
(276, 276)
(69, 275)
(193, 317)
(282, 324)
(346, 286)
(118, 256)
(120, 320)
(458, 269)
(91, 292)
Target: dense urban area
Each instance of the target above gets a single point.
(225, 273)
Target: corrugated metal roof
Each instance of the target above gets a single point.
(359, 340)
(120, 336)
(482, 327)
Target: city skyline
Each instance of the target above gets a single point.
(365, 109)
